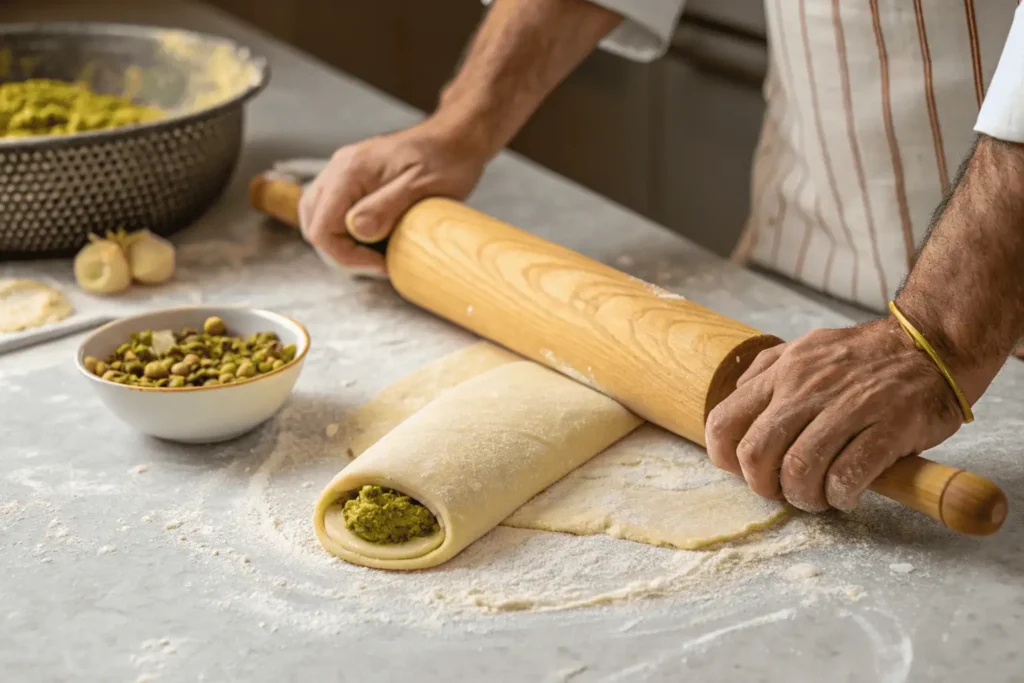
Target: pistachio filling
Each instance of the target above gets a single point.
(381, 515)
(47, 107)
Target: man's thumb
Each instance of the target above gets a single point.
(374, 216)
(363, 226)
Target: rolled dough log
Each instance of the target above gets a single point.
(473, 456)
(27, 303)
(651, 486)
(403, 398)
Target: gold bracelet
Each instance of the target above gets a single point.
(923, 344)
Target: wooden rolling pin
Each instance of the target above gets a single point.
(666, 359)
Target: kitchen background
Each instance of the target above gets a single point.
(671, 140)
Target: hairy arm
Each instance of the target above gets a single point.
(818, 419)
(966, 292)
(521, 52)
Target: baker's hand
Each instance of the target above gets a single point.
(367, 186)
(816, 420)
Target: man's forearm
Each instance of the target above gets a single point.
(521, 52)
(966, 292)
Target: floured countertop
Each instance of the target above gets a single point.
(123, 558)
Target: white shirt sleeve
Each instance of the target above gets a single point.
(646, 30)
(1002, 112)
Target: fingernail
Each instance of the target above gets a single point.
(361, 227)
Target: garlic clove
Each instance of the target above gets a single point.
(150, 257)
(101, 267)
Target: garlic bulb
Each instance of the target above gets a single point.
(101, 267)
(150, 257)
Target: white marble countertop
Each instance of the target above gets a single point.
(124, 558)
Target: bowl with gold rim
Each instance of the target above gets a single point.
(212, 410)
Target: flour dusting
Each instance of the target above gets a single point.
(556, 363)
(265, 537)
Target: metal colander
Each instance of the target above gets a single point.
(55, 190)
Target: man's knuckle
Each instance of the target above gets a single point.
(796, 465)
(750, 448)
(366, 155)
(718, 423)
(342, 155)
(359, 157)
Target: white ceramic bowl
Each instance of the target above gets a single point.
(197, 414)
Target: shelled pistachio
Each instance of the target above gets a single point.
(192, 358)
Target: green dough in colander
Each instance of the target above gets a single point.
(47, 107)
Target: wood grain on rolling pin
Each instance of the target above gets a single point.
(666, 359)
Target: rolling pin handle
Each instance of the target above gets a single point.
(957, 499)
(973, 505)
(280, 198)
(277, 198)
